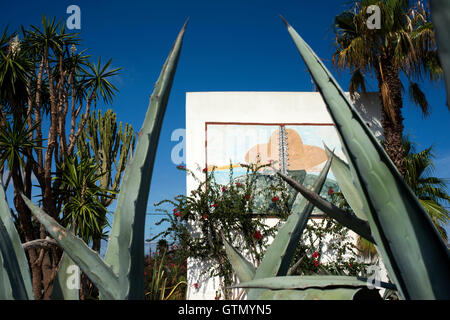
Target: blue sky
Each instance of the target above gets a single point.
(234, 45)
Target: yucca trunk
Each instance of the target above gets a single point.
(390, 90)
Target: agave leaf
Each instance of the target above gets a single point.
(11, 265)
(310, 294)
(22, 269)
(279, 254)
(440, 14)
(347, 219)
(243, 268)
(344, 178)
(411, 248)
(306, 282)
(5, 286)
(125, 252)
(61, 290)
(88, 260)
(289, 235)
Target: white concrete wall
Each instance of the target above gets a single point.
(252, 107)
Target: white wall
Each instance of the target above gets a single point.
(252, 107)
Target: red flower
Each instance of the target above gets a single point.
(177, 214)
(275, 199)
(257, 235)
(214, 205)
(205, 216)
(316, 263)
(175, 210)
(172, 265)
(224, 189)
(350, 264)
(205, 170)
(247, 197)
(238, 184)
(195, 285)
(315, 254)
(180, 167)
(330, 191)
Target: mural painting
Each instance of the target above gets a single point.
(294, 149)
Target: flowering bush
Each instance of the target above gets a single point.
(236, 210)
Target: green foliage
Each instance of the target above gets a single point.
(430, 190)
(15, 141)
(165, 275)
(234, 209)
(83, 212)
(215, 219)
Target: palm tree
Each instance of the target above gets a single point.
(430, 190)
(404, 45)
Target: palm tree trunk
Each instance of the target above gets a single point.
(390, 88)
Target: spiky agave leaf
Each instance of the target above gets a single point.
(21, 272)
(310, 294)
(125, 252)
(244, 269)
(347, 219)
(411, 248)
(279, 254)
(307, 282)
(310, 287)
(11, 265)
(5, 285)
(89, 261)
(344, 178)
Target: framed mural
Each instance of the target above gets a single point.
(296, 149)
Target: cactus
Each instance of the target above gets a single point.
(101, 140)
(121, 274)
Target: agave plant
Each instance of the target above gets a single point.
(120, 274)
(387, 213)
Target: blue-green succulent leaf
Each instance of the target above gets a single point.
(244, 269)
(125, 252)
(23, 272)
(87, 259)
(415, 255)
